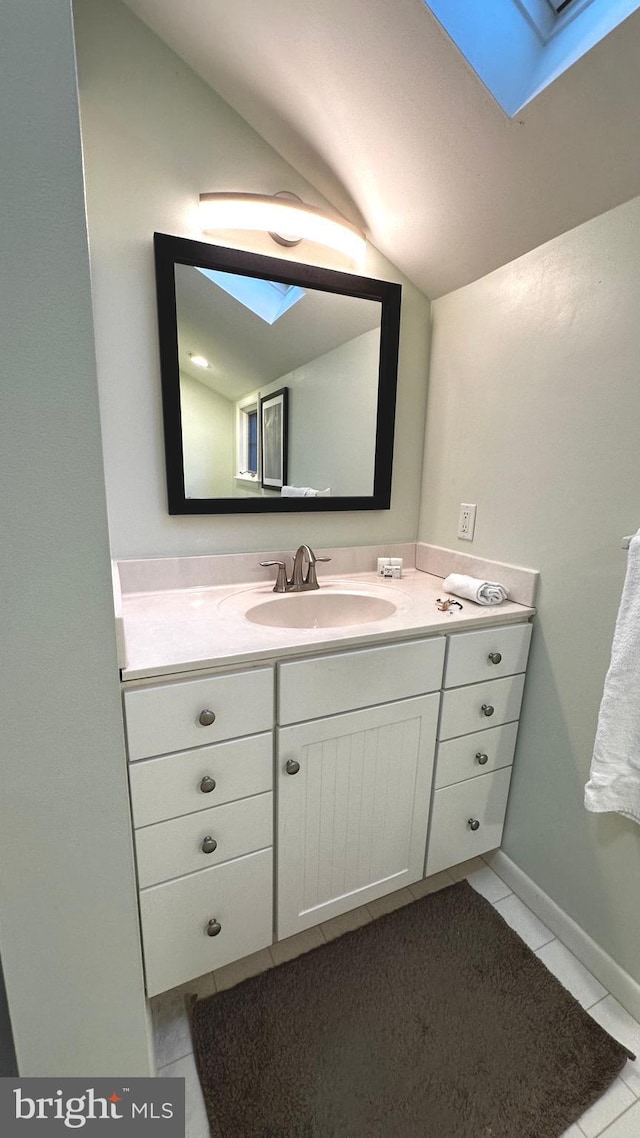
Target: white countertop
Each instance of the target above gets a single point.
(185, 630)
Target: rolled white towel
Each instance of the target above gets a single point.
(473, 589)
(304, 492)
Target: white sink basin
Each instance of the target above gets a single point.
(320, 610)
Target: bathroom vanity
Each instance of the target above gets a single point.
(301, 772)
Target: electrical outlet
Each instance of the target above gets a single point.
(466, 521)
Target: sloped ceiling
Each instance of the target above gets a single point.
(373, 104)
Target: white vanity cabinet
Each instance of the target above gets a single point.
(482, 692)
(358, 799)
(353, 787)
(201, 779)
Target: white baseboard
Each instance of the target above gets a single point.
(614, 978)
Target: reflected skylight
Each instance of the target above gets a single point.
(267, 299)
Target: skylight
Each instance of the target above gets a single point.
(267, 299)
(524, 45)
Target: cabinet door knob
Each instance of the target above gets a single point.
(206, 717)
(495, 657)
(292, 767)
(214, 927)
(209, 844)
(474, 824)
(487, 709)
(482, 759)
(208, 784)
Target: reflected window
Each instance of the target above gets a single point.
(252, 442)
(248, 445)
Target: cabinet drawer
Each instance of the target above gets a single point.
(477, 754)
(174, 848)
(175, 917)
(462, 708)
(451, 839)
(310, 689)
(164, 788)
(486, 655)
(167, 718)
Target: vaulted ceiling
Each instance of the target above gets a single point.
(370, 101)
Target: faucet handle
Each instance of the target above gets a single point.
(281, 578)
(311, 579)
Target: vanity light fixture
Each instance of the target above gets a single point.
(287, 219)
(199, 361)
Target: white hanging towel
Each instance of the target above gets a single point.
(473, 589)
(614, 781)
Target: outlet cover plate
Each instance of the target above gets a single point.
(466, 521)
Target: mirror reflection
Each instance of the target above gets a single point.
(240, 339)
(278, 382)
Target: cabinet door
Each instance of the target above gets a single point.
(352, 819)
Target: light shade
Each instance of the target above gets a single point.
(280, 215)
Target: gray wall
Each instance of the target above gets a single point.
(533, 413)
(68, 921)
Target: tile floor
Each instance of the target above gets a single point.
(615, 1115)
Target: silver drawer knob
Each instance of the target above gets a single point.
(487, 709)
(495, 657)
(209, 844)
(206, 717)
(474, 824)
(482, 759)
(214, 927)
(208, 784)
(292, 767)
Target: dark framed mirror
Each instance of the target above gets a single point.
(278, 382)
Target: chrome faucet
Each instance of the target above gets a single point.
(299, 582)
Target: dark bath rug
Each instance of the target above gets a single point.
(435, 1021)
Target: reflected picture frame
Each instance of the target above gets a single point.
(274, 439)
